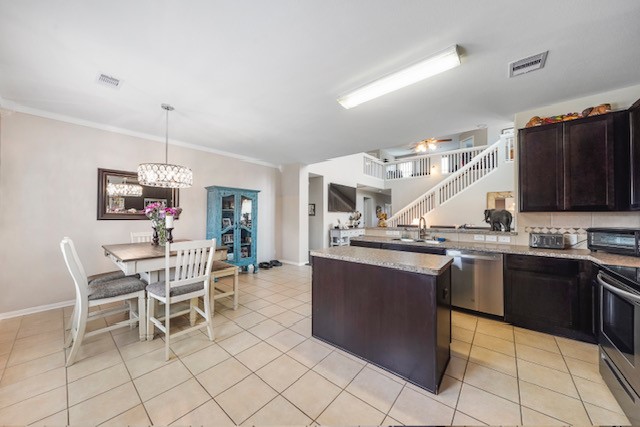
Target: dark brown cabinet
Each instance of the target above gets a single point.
(634, 119)
(578, 165)
(395, 319)
(541, 176)
(550, 295)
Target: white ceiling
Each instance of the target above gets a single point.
(261, 78)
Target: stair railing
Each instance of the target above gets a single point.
(480, 166)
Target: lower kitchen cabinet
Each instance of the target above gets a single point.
(550, 295)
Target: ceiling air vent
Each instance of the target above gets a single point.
(109, 81)
(526, 65)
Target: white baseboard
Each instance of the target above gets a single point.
(298, 264)
(38, 309)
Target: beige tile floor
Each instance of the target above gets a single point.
(265, 369)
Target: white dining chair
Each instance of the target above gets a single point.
(141, 236)
(96, 292)
(189, 281)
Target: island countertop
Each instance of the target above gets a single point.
(405, 261)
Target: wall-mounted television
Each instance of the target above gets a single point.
(341, 198)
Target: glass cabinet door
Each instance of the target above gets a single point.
(245, 221)
(227, 226)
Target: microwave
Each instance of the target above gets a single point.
(624, 241)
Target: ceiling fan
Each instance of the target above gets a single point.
(427, 144)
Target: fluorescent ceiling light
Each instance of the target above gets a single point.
(435, 64)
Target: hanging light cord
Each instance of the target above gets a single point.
(167, 108)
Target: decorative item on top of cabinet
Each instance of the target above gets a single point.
(579, 165)
(232, 218)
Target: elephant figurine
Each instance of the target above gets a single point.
(498, 219)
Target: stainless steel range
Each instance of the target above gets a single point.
(619, 335)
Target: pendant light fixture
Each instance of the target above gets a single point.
(164, 174)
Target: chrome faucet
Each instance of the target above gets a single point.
(422, 228)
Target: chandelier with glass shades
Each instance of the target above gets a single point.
(165, 175)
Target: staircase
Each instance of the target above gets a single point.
(481, 165)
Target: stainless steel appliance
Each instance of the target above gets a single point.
(619, 336)
(624, 241)
(547, 241)
(476, 281)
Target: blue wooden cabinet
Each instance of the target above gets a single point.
(232, 218)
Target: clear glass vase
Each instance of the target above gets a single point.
(159, 233)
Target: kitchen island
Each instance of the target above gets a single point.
(390, 308)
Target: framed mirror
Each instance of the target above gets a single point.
(121, 197)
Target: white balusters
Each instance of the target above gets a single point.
(470, 166)
(373, 167)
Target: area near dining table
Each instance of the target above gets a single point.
(145, 259)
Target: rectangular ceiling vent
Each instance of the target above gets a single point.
(109, 81)
(527, 65)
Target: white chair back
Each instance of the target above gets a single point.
(75, 269)
(141, 236)
(120, 289)
(193, 263)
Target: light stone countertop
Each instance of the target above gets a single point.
(584, 254)
(434, 230)
(405, 261)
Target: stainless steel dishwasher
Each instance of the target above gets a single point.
(476, 281)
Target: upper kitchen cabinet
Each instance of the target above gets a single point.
(541, 179)
(578, 165)
(634, 118)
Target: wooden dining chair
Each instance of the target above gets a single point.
(189, 281)
(102, 289)
(141, 236)
(224, 269)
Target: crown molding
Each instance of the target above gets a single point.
(7, 107)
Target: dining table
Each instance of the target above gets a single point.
(147, 260)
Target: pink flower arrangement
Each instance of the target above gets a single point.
(175, 212)
(156, 212)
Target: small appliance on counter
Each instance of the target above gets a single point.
(623, 241)
(548, 241)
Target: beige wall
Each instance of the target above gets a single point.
(295, 214)
(479, 137)
(48, 190)
(316, 228)
(619, 99)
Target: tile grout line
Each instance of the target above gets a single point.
(130, 379)
(515, 352)
(574, 382)
(466, 366)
